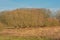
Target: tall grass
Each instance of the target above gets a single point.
(22, 38)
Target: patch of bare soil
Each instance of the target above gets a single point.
(52, 32)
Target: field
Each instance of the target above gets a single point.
(46, 33)
(29, 24)
(21, 38)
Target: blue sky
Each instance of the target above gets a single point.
(13, 4)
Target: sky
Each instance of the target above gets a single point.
(14, 4)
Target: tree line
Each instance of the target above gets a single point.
(30, 17)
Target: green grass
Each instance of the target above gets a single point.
(21, 38)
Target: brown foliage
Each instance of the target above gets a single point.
(27, 18)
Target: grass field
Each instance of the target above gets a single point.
(29, 24)
(46, 33)
(22, 38)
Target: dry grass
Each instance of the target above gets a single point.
(30, 22)
(50, 32)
